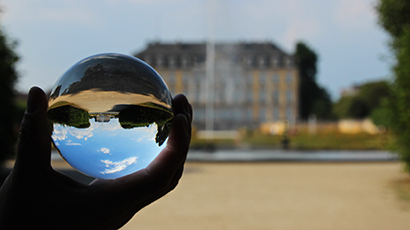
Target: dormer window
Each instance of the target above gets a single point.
(275, 61)
(184, 62)
(172, 62)
(160, 61)
(261, 62)
(288, 62)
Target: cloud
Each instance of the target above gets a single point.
(82, 133)
(138, 140)
(110, 126)
(113, 167)
(73, 143)
(104, 150)
(143, 134)
(59, 133)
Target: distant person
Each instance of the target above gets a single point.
(35, 196)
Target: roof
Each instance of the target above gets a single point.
(196, 52)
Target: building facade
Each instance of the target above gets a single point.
(253, 83)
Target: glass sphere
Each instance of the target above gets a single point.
(111, 115)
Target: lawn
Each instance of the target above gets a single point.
(301, 141)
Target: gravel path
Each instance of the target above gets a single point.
(281, 196)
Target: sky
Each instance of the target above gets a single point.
(53, 35)
(99, 150)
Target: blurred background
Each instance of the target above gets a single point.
(300, 107)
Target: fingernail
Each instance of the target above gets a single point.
(31, 101)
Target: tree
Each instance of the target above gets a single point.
(372, 93)
(8, 78)
(361, 104)
(313, 99)
(394, 17)
(383, 116)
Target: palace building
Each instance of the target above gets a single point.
(253, 83)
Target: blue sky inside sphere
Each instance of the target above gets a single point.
(105, 150)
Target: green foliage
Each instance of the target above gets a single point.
(401, 97)
(372, 93)
(8, 78)
(394, 16)
(383, 115)
(140, 116)
(361, 104)
(143, 116)
(69, 115)
(351, 107)
(313, 99)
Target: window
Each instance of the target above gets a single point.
(261, 62)
(172, 62)
(249, 79)
(289, 77)
(184, 62)
(262, 114)
(160, 61)
(200, 114)
(275, 97)
(249, 114)
(276, 78)
(262, 96)
(185, 78)
(220, 96)
(275, 61)
(289, 114)
(238, 95)
(289, 96)
(238, 114)
(197, 95)
(262, 78)
(266, 61)
(172, 77)
(217, 114)
(289, 62)
(227, 114)
(251, 61)
(198, 78)
(250, 95)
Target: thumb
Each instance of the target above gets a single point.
(34, 144)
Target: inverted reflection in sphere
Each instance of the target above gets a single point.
(111, 115)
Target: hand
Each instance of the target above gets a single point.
(35, 196)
